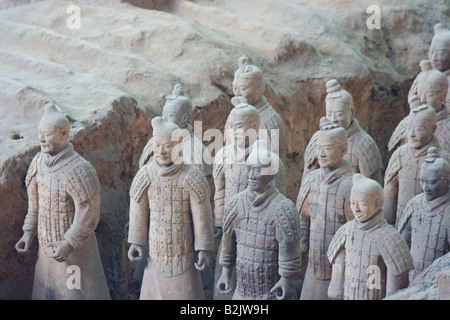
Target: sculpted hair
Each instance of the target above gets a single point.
(336, 134)
(441, 33)
(434, 162)
(426, 113)
(54, 117)
(178, 101)
(248, 70)
(245, 110)
(336, 93)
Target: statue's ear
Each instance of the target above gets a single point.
(378, 203)
(64, 133)
(185, 118)
(259, 87)
(434, 129)
(344, 149)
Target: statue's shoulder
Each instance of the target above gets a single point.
(393, 249)
(81, 178)
(195, 182)
(395, 163)
(33, 168)
(307, 184)
(141, 181)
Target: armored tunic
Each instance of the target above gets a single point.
(324, 206)
(372, 249)
(426, 228)
(170, 210)
(363, 153)
(260, 239)
(400, 135)
(402, 177)
(66, 190)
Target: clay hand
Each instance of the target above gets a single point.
(62, 250)
(223, 285)
(23, 245)
(286, 286)
(135, 253)
(218, 233)
(203, 261)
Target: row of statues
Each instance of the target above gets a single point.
(358, 237)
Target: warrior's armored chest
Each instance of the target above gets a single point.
(429, 232)
(327, 202)
(171, 232)
(257, 254)
(56, 207)
(365, 271)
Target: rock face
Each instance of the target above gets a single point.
(431, 284)
(110, 78)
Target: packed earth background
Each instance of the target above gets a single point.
(110, 78)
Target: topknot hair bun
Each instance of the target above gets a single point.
(333, 86)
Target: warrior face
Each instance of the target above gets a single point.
(434, 89)
(433, 184)
(363, 205)
(165, 150)
(330, 150)
(420, 132)
(339, 112)
(243, 131)
(439, 54)
(53, 139)
(257, 182)
(249, 88)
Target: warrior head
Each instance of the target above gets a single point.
(248, 81)
(331, 146)
(244, 122)
(434, 175)
(167, 137)
(421, 126)
(366, 198)
(53, 130)
(439, 53)
(339, 104)
(178, 106)
(261, 167)
(432, 88)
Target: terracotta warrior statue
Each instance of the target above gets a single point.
(249, 83)
(402, 174)
(171, 212)
(177, 110)
(63, 212)
(425, 222)
(370, 258)
(432, 88)
(439, 56)
(363, 153)
(261, 236)
(324, 206)
(229, 172)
